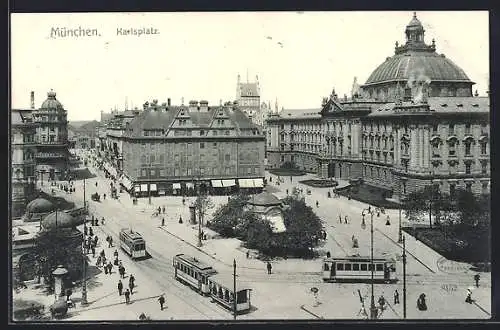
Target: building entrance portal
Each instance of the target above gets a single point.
(331, 170)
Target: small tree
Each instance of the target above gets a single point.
(203, 204)
(227, 216)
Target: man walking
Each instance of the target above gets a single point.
(127, 296)
(476, 279)
(120, 287)
(163, 222)
(110, 267)
(163, 209)
(345, 219)
(161, 300)
(468, 299)
(269, 267)
(116, 253)
(110, 242)
(396, 297)
(131, 286)
(93, 251)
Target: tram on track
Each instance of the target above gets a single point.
(205, 280)
(359, 269)
(132, 243)
(192, 272)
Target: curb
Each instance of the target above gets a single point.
(309, 312)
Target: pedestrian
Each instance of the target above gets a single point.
(93, 251)
(396, 297)
(161, 300)
(91, 232)
(105, 268)
(131, 286)
(381, 302)
(127, 296)
(121, 270)
(95, 240)
(180, 219)
(340, 218)
(317, 204)
(110, 267)
(159, 210)
(116, 253)
(269, 267)
(104, 195)
(110, 242)
(291, 179)
(421, 304)
(163, 209)
(96, 184)
(248, 254)
(345, 219)
(388, 222)
(102, 221)
(102, 254)
(131, 279)
(476, 279)
(163, 222)
(468, 299)
(287, 191)
(183, 201)
(120, 287)
(98, 262)
(116, 261)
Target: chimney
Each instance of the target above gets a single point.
(193, 105)
(203, 106)
(32, 99)
(169, 101)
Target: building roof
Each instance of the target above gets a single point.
(40, 205)
(163, 119)
(435, 66)
(51, 102)
(21, 116)
(59, 219)
(249, 89)
(440, 105)
(265, 199)
(300, 113)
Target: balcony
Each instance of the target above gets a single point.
(52, 143)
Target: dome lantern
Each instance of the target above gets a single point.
(415, 31)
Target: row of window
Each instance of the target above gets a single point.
(188, 133)
(355, 267)
(177, 171)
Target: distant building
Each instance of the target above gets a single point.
(52, 139)
(23, 152)
(248, 98)
(167, 149)
(402, 130)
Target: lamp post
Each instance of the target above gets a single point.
(149, 181)
(373, 308)
(84, 280)
(404, 279)
(199, 206)
(234, 289)
(399, 229)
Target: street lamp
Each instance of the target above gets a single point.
(404, 279)
(400, 234)
(149, 181)
(234, 289)
(373, 308)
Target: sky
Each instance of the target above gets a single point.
(198, 56)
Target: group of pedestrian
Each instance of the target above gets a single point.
(345, 219)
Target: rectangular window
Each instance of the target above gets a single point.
(202, 133)
(215, 133)
(355, 267)
(451, 129)
(340, 266)
(227, 157)
(202, 145)
(467, 168)
(348, 266)
(162, 172)
(484, 168)
(364, 267)
(226, 132)
(189, 171)
(202, 171)
(452, 190)
(249, 170)
(143, 172)
(379, 267)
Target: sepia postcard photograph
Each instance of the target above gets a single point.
(250, 166)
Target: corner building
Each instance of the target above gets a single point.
(415, 122)
(178, 149)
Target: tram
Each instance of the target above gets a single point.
(359, 269)
(132, 243)
(222, 291)
(193, 272)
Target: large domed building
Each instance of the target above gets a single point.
(416, 58)
(37, 209)
(413, 123)
(52, 139)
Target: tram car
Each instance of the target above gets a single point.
(358, 269)
(222, 291)
(193, 272)
(132, 243)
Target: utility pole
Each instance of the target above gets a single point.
(199, 205)
(84, 280)
(373, 309)
(234, 289)
(149, 179)
(404, 278)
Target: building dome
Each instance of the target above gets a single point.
(40, 205)
(401, 66)
(58, 220)
(414, 23)
(51, 102)
(264, 199)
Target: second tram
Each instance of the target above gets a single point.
(193, 272)
(132, 243)
(359, 269)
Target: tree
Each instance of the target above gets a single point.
(49, 251)
(418, 204)
(202, 205)
(226, 216)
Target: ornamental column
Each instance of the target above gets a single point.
(413, 147)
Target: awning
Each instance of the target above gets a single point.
(258, 183)
(144, 187)
(217, 184)
(246, 183)
(189, 185)
(152, 187)
(126, 182)
(228, 183)
(176, 186)
(137, 188)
